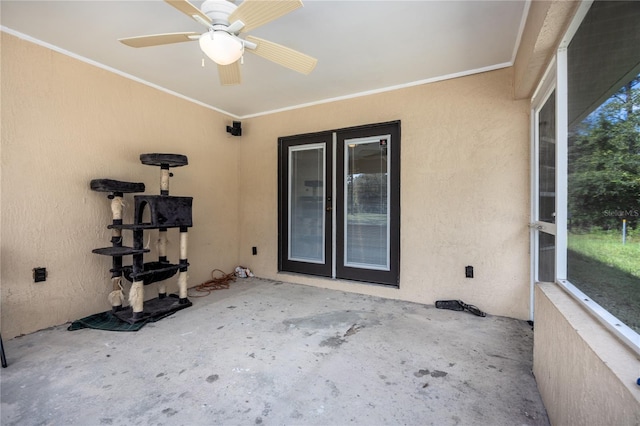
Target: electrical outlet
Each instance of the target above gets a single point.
(468, 271)
(39, 274)
(254, 250)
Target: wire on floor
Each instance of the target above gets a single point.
(220, 282)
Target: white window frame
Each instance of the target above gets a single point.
(556, 77)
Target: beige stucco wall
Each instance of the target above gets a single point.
(546, 23)
(464, 189)
(65, 122)
(585, 375)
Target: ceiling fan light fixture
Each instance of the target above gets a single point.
(221, 47)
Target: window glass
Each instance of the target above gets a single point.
(546, 257)
(367, 211)
(547, 161)
(603, 240)
(306, 205)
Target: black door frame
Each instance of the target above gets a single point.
(390, 277)
(284, 263)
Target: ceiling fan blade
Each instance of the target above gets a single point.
(190, 10)
(229, 74)
(254, 13)
(159, 39)
(282, 55)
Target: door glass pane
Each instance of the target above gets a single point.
(547, 161)
(546, 243)
(367, 203)
(546, 257)
(307, 203)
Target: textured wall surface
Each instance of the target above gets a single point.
(585, 375)
(65, 122)
(464, 189)
(464, 184)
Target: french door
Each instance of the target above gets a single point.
(544, 183)
(544, 213)
(339, 203)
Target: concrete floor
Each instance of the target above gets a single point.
(264, 352)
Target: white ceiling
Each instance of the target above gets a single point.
(362, 46)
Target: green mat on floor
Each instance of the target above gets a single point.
(154, 310)
(105, 321)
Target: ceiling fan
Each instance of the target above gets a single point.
(222, 44)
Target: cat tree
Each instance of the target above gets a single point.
(161, 212)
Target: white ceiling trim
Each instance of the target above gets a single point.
(523, 23)
(385, 89)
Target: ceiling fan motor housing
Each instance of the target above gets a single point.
(218, 11)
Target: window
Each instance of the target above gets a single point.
(339, 203)
(596, 161)
(603, 190)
